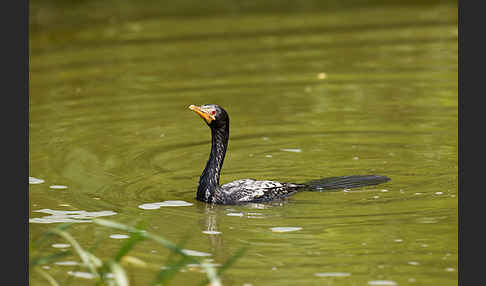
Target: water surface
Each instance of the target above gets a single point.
(312, 92)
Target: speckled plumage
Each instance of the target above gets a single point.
(251, 190)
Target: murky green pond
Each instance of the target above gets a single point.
(312, 91)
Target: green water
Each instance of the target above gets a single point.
(313, 90)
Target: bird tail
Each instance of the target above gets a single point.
(346, 182)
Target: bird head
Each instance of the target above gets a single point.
(213, 114)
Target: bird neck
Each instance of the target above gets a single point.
(209, 181)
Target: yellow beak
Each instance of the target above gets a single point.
(204, 114)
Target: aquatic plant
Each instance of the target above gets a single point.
(111, 271)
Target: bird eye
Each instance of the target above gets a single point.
(213, 112)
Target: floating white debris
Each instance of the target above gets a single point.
(67, 263)
(175, 204)
(332, 274)
(450, 269)
(398, 240)
(61, 245)
(291, 150)
(119, 236)
(211, 232)
(234, 214)
(413, 263)
(58, 187)
(426, 220)
(382, 282)
(154, 206)
(68, 216)
(285, 228)
(439, 193)
(355, 158)
(384, 191)
(33, 181)
(195, 253)
(268, 156)
(321, 75)
(255, 214)
(80, 274)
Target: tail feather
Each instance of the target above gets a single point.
(346, 182)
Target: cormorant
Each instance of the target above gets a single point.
(250, 190)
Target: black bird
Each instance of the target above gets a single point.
(250, 190)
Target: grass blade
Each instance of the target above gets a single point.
(171, 246)
(168, 273)
(47, 276)
(231, 260)
(212, 274)
(221, 269)
(48, 258)
(91, 261)
(46, 235)
(128, 245)
(119, 274)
